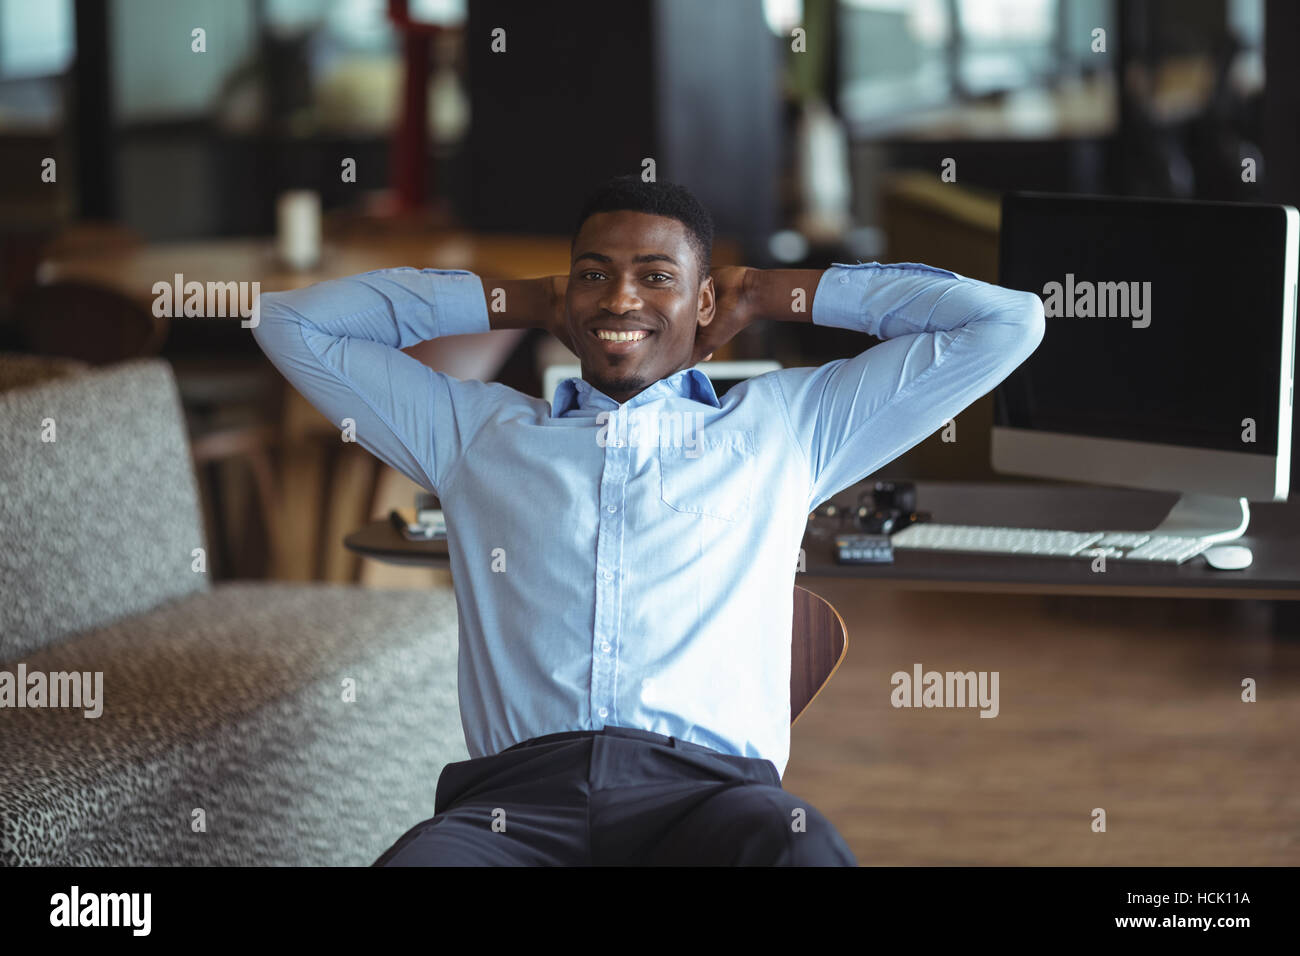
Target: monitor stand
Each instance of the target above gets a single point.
(1217, 517)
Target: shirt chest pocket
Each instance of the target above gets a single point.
(715, 477)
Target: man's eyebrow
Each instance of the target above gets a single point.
(646, 257)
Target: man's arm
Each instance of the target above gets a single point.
(339, 343)
(948, 340)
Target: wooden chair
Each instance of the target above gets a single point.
(255, 444)
(819, 642)
(86, 321)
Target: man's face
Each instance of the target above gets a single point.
(634, 273)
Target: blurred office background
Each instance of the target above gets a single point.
(812, 147)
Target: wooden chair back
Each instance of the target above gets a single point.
(819, 642)
(85, 321)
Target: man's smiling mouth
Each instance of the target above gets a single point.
(609, 335)
(619, 342)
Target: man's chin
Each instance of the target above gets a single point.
(611, 381)
(621, 386)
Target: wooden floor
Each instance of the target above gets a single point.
(1131, 705)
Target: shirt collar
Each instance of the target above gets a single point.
(689, 383)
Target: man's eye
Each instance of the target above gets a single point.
(658, 277)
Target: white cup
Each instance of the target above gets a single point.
(298, 228)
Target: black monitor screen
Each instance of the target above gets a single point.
(1164, 319)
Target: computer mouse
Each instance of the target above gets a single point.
(1228, 557)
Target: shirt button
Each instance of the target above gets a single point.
(605, 647)
(844, 280)
(612, 508)
(608, 576)
(603, 712)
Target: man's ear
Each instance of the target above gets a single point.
(707, 304)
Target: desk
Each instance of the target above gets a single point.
(382, 542)
(134, 270)
(1274, 537)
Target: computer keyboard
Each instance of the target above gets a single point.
(1121, 545)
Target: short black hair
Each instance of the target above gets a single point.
(657, 199)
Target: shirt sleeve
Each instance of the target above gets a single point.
(338, 343)
(948, 340)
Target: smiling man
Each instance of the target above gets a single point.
(631, 334)
(625, 607)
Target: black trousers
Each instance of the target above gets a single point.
(617, 797)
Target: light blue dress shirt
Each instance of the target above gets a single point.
(635, 565)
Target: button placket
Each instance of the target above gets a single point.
(609, 546)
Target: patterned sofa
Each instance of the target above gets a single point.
(225, 737)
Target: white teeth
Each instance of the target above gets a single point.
(621, 336)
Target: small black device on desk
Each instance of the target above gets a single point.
(889, 507)
(892, 508)
(863, 549)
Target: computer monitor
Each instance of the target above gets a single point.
(1169, 354)
(723, 375)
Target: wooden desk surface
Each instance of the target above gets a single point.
(135, 270)
(1274, 537)
(381, 541)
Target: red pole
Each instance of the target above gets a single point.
(410, 149)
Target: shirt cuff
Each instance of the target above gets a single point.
(460, 308)
(841, 298)
(838, 300)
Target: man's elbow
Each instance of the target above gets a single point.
(1015, 326)
(270, 314)
(1030, 320)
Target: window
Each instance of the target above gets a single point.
(900, 59)
(37, 43)
(36, 39)
(893, 56)
(1005, 44)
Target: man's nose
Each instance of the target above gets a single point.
(621, 297)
